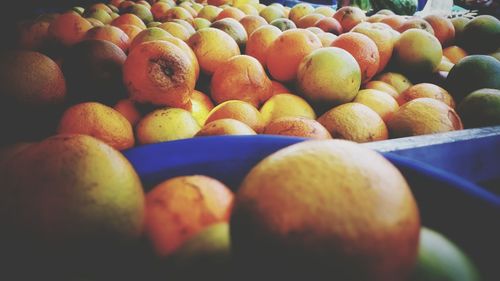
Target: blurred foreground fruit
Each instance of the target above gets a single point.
(69, 200)
(179, 208)
(294, 219)
(480, 108)
(439, 259)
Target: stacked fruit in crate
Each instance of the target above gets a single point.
(104, 78)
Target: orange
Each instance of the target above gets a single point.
(131, 31)
(282, 60)
(329, 25)
(149, 34)
(187, 25)
(382, 103)
(129, 19)
(297, 127)
(176, 30)
(239, 110)
(212, 48)
(325, 10)
(225, 126)
(109, 33)
(252, 22)
(166, 124)
(382, 37)
(309, 20)
(259, 42)
(199, 23)
(160, 73)
(325, 200)
(69, 28)
(99, 14)
(327, 38)
(201, 105)
(179, 208)
(234, 29)
(426, 90)
(177, 13)
(394, 21)
(187, 5)
(416, 23)
(355, 122)
(33, 35)
(159, 10)
(243, 78)
(363, 49)
(230, 12)
(286, 105)
(423, 116)
(417, 51)
(376, 18)
(128, 109)
(329, 76)
(271, 13)
(187, 50)
(209, 12)
(397, 80)
(349, 16)
(86, 192)
(454, 53)
(382, 86)
(300, 10)
(443, 29)
(100, 121)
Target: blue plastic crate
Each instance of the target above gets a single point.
(458, 207)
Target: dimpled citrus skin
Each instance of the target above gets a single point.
(326, 209)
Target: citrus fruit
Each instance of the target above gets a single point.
(381, 102)
(324, 210)
(480, 108)
(296, 126)
(239, 110)
(225, 126)
(417, 52)
(426, 90)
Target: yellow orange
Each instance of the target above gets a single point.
(286, 105)
(239, 110)
(225, 126)
(297, 127)
(382, 103)
(259, 42)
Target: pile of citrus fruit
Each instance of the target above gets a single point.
(86, 83)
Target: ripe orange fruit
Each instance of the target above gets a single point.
(159, 9)
(201, 105)
(286, 105)
(416, 23)
(426, 90)
(423, 116)
(417, 52)
(128, 109)
(300, 10)
(382, 103)
(443, 29)
(363, 49)
(99, 121)
(382, 37)
(329, 25)
(454, 54)
(394, 21)
(212, 48)
(243, 78)
(176, 30)
(235, 29)
(252, 22)
(382, 86)
(69, 28)
(225, 126)
(109, 33)
(329, 76)
(397, 80)
(87, 193)
(282, 60)
(259, 42)
(328, 200)
(166, 124)
(129, 19)
(271, 13)
(349, 17)
(179, 208)
(230, 12)
(309, 20)
(297, 127)
(160, 73)
(355, 122)
(238, 110)
(131, 30)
